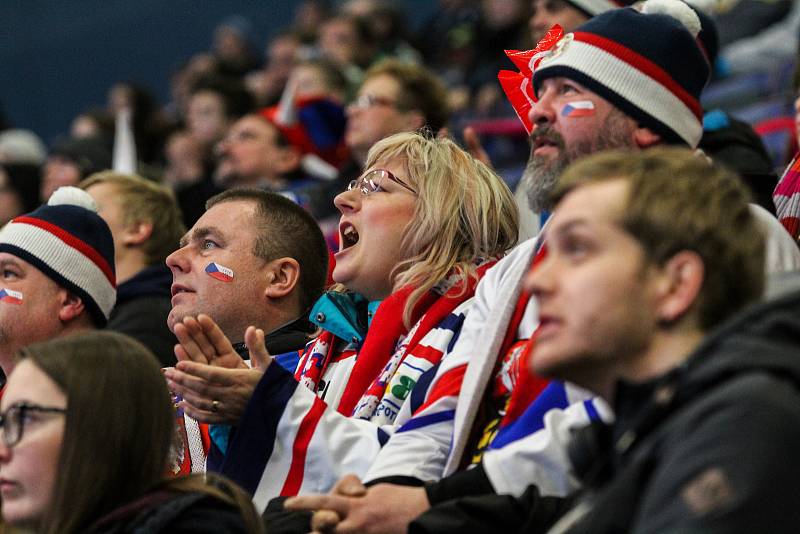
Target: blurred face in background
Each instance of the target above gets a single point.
(546, 13)
(338, 41)
(251, 154)
(206, 119)
(502, 13)
(311, 83)
(10, 202)
(58, 171)
(374, 115)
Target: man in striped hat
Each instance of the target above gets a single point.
(622, 80)
(569, 14)
(56, 273)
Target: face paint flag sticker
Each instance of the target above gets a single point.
(9, 296)
(582, 108)
(220, 272)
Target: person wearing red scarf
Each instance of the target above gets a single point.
(418, 229)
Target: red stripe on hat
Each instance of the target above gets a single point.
(644, 65)
(73, 242)
(294, 479)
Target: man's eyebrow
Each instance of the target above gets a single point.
(201, 233)
(9, 261)
(568, 226)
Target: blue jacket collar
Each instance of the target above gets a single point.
(345, 315)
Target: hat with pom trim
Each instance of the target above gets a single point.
(647, 64)
(71, 244)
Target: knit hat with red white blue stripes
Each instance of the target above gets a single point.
(68, 242)
(647, 64)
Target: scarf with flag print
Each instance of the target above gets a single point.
(787, 198)
(391, 358)
(389, 388)
(450, 405)
(295, 440)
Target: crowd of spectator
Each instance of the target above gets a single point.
(533, 268)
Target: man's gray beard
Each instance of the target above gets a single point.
(539, 179)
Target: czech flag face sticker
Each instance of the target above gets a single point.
(9, 296)
(582, 108)
(220, 272)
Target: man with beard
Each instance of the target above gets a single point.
(625, 80)
(569, 14)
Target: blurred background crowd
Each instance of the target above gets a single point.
(58, 126)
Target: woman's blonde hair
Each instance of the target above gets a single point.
(464, 212)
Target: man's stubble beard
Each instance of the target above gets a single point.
(540, 176)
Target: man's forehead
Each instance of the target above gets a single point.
(382, 84)
(228, 216)
(598, 202)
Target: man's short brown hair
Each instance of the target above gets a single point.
(678, 201)
(420, 90)
(286, 230)
(142, 200)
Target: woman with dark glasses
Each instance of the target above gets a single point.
(86, 428)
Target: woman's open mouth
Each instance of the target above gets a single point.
(349, 236)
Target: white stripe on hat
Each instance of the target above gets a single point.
(631, 84)
(64, 259)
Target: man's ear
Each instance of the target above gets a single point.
(645, 137)
(71, 305)
(681, 281)
(283, 275)
(288, 159)
(137, 233)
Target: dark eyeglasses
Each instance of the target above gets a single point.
(371, 181)
(368, 101)
(16, 416)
